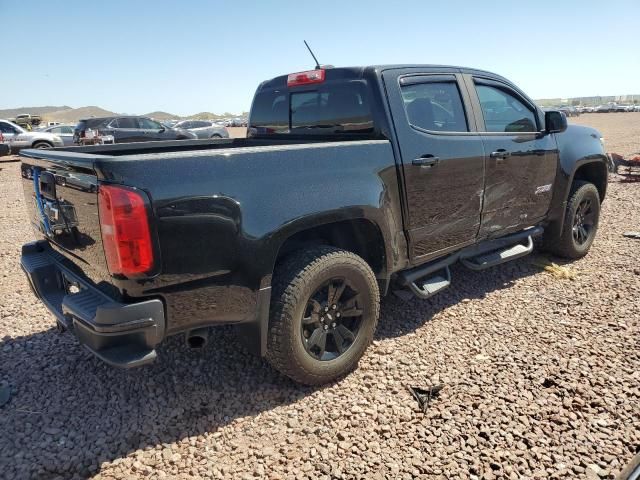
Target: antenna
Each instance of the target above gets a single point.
(311, 52)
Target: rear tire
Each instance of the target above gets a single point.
(42, 145)
(580, 223)
(324, 311)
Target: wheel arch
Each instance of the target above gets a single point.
(592, 169)
(36, 142)
(595, 172)
(358, 234)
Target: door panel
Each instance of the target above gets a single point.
(521, 162)
(442, 160)
(125, 129)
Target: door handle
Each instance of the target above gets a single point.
(426, 161)
(501, 154)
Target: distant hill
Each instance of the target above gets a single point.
(75, 114)
(160, 116)
(66, 114)
(12, 112)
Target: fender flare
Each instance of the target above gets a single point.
(556, 215)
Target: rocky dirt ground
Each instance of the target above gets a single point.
(541, 378)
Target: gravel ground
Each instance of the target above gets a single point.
(541, 379)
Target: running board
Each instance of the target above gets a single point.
(497, 257)
(427, 287)
(428, 279)
(425, 282)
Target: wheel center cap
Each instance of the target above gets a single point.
(329, 316)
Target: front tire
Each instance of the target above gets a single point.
(324, 311)
(581, 222)
(42, 145)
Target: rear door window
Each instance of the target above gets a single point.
(435, 106)
(127, 122)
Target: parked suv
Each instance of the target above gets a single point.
(17, 137)
(128, 129)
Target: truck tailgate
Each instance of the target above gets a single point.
(62, 203)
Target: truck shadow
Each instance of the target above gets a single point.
(69, 412)
(399, 317)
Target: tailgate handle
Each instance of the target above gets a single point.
(426, 161)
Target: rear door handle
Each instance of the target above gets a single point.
(426, 161)
(500, 154)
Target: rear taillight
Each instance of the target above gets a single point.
(126, 236)
(305, 78)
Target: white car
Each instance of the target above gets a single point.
(17, 137)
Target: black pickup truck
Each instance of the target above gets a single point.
(351, 183)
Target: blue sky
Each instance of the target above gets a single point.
(191, 56)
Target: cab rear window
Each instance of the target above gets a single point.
(330, 108)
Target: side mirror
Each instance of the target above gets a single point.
(555, 121)
(162, 129)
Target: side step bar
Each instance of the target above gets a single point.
(497, 257)
(426, 280)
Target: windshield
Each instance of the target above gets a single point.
(17, 128)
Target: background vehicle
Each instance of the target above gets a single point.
(17, 137)
(127, 129)
(27, 121)
(203, 128)
(65, 132)
(569, 111)
(352, 182)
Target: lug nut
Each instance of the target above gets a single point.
(326, 327)
(334, 307)
(326, 309)
(333, 325)
(337, 314)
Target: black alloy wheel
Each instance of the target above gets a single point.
(583, 222)
(332, 320)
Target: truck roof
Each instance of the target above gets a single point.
(358, 71)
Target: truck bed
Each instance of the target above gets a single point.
(217, 209)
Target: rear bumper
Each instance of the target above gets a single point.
(121, 334)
